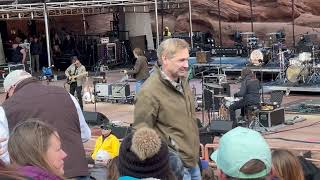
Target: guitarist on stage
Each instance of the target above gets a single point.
(76, 74)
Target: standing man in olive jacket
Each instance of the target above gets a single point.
(140, 71)
(165, 103)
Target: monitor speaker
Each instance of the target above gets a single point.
(95, 118)
(220, 126)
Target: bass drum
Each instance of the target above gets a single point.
(295, 73)
(259, 57)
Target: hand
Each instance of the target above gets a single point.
(125, 71)
(103, 163)
(2, 148)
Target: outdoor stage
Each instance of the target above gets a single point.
(231, 65)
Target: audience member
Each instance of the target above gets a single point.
(9, 173)
(35, 50)
(106, 142)
(29, 98)
(165, 103)
(113, 172)
(36, 148)
(144, 155)
(243, 154)
(18, 54)
(286, 165)
(68, 45)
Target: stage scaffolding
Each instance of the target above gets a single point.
(47, 9)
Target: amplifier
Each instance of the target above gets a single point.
(103, 90)
(120, 90)
(272, 118)
(13, 67)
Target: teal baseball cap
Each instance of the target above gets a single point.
(239, 146)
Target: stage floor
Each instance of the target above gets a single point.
(233, 64)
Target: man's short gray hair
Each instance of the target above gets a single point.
(170, 47)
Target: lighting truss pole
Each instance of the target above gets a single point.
(220, 32)
(251, 15)
(162, 19)
(190, 23)
(157, 22)
(45, 13)
(293, 33)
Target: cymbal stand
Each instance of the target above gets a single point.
(281, 75)
(314, 71)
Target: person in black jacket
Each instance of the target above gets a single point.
(35, 53)
(249, 91)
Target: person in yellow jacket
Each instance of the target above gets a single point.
(107, 142)
(166, 33)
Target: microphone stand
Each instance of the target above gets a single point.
(95, 94)
(261, 81)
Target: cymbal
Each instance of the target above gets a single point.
(212, 85)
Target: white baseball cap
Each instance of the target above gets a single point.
(14, 77)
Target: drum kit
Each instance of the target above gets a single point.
(303, 68)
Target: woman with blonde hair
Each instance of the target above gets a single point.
(286, 165)
(35, 148)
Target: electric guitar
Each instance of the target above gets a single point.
(73, 78)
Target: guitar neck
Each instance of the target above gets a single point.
(86, 73)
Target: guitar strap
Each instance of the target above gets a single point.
(75, 71)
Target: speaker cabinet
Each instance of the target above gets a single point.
(103, 90)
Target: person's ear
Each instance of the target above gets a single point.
(164, 59)
(273, 172)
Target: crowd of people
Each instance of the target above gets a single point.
(42, 131)
(61, 43)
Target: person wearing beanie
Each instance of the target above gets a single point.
(144, 155)
(29, 98)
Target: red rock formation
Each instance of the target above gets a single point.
(268, 16)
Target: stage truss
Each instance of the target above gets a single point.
(36, 10)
